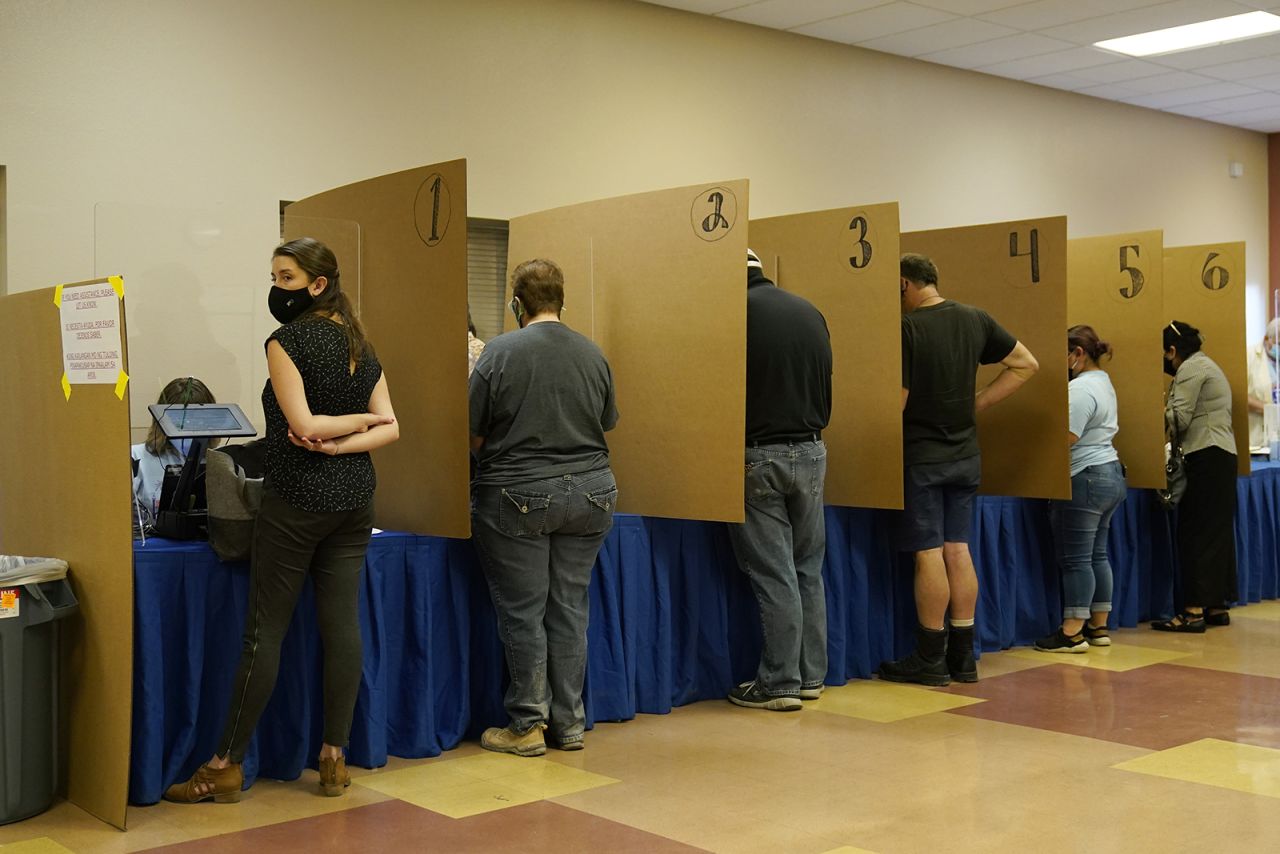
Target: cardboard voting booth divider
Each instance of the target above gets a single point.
(1115, 283)
(658, 281)
(65, 494)
(845, 261)
(410, 255)
(1017, 272)
(1204, 286)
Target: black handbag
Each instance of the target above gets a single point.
(1175, 475)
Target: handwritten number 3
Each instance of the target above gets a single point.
(859, 224)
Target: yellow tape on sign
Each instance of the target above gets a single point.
(57, 296)
(121, 382)
(117, 284)
(66, 386)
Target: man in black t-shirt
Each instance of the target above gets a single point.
(781, 544)
(541, 400)
(943, 342)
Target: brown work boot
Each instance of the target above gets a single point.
(507, 740)
(334, 777)
(221, 784)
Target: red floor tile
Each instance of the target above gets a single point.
(1156, 707)
(394, 826)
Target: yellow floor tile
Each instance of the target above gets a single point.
(43, 845)
(476, 784)
(1117, 658)
(886, 702)
(1269, 610)
(849, 849)
(1213, 762)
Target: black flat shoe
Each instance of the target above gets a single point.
(1217, 618)
(1184, 622)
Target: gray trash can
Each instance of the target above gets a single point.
(34, 596)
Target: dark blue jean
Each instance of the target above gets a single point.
(537, 544)
(1080, 528)
(780, 547)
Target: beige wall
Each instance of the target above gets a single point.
(232, 106)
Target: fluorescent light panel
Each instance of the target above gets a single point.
(1191, 36)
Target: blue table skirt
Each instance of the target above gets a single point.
(672, 621)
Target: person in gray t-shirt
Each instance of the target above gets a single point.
(541, 400)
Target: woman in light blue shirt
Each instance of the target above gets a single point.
(1080, 526)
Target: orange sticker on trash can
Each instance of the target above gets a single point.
(8, 603)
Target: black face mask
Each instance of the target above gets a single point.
(287, 306)
(1169, 368)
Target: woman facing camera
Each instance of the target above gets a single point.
(1197, 414)
(327, 406)
(1081, 525)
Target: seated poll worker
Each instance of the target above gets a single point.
(943, 343)
(542, 500)
(782, 541)
(327, 406)
(150, 458)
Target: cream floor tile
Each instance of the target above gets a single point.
(886, 702)
(1117, 658)
(42, 845)
(849, 849)
(1269, 610)
(482, 783)
(999, 663)
(1213, 762)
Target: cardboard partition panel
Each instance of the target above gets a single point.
(65, 494)
(845, 262)
(658, 280)
(1016, 271)
(1204, 286)
(1115, 284)
(411, 258)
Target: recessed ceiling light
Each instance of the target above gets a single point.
(1191, 36)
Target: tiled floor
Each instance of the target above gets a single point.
(1159, 740)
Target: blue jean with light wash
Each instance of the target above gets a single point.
(781, 546)
(1080, 528)
(537, 544)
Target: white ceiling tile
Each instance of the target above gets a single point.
(1125, 69)
(785, 14)
(966, 7)
(998, 50)
(1233, 52)
(1070, 81)
(1050, 63)
(705, 7)
(1169, 81)
(1197, 111)
(1244, 69)
(1121, 5)
(1252, 116)
(954, 33)
(1145, 19)
(1259, 102)
(1213, 92)
(1270, 82)
(874, 23)
(1113, 91)
(1044, 14)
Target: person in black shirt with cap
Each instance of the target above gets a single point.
(782, 542)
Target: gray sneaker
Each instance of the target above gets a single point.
(752, 696)
(811, 693)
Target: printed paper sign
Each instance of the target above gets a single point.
(9, 603)
(91, 351)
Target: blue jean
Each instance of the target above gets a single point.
(780, 546)
(537, 544)
(1080, 528)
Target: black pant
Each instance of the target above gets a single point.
(289, 544)
(1206, 530)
